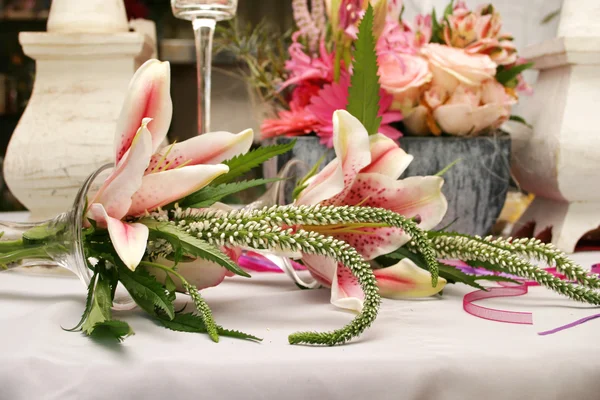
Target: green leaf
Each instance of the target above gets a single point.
(191, 245)
(41, 233)
(209, 195)
(147, 287)
(363, 95)
(302, 183)
(101, 306)
(88, 303)
(505, 76)
(243, 163)
(112, 329)
(192, 323)
(448, 167)
(170, 286)
(519, 119)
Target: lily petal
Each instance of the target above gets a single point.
(405, 280)
(129, 240)
(200, 273)
(116, 192)
(326, 184)
(387, 157)
(148, 96)
(210, 148)
(410, 197)
(346, 293)
(165, 187)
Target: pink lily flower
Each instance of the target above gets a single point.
(366, 173)
(147, 177)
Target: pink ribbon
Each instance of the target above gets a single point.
(255, 262)
(508, 289)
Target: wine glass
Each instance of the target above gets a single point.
(204, 15)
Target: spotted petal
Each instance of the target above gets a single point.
(116, 192)
(128, 240)
(210, 148)
(166, 187)
(387, 157)
(148, 96)
(410, 197)
(405, 280)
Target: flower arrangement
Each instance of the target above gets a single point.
(156, 227)
(458, 74)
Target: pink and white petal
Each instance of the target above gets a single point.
(323, 186)
(210, 148)
(405, 280)
(116, 192)
(166, 187)
(322, 268)
(464, 120)
(387, 157)
(200, 273)
(350, 141)
(351, 144)
(128, 240)
(346, 292)
(148, 96)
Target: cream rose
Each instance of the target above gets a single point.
(451, 66)
(403, 76)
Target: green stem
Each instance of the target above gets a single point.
(199, 302)
(38, 252)
(11, 245)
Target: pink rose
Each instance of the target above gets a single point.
(403, 76)
(451, 66)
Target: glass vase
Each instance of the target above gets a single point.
(57, 242)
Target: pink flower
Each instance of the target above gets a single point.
(479, 33)
(345, 15)
(401, 37)
(305, 69)
(366, 172)
(334, 97)
(298, 121)
(404, 76)
(145, 176)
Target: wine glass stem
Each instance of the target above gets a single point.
(204, 30)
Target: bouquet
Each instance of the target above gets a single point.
(456, 74)
(156, 226)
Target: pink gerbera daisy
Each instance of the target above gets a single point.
(334, 97)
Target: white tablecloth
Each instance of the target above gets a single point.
(426, 349)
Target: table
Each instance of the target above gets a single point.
(421, 349)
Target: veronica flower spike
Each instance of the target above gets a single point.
(147, 177)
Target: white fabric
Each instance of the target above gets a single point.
(427, 349)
